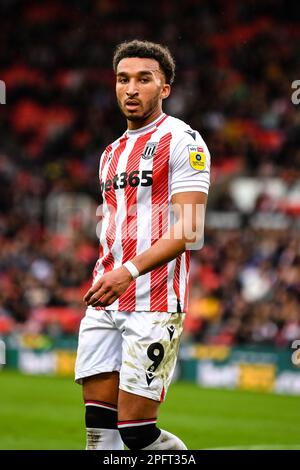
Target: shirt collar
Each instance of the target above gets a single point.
(147, 128)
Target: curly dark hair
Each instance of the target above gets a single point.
(147, 50)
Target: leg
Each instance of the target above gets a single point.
(103, 387)
(132, 406)
(137, 424)
(97, 364)
(100, 394)
(150, 345)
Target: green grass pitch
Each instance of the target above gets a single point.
(40, 412)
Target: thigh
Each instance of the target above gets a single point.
(99, 346)
(131, 406)
(149, 353)
(102, 387)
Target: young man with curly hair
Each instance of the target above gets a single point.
(154, 182)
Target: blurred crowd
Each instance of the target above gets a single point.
(245, 288)
(236, 63)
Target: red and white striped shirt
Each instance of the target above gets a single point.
(139, 173)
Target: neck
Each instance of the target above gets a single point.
(134, 125)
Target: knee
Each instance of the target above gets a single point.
(138, 434)
(100, 415)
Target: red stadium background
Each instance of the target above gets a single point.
(236, 66)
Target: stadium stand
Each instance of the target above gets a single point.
(235, 66)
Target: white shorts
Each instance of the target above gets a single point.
(142, 346)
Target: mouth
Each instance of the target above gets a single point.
(131, 104)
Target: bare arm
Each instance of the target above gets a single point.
(174, 241)
(189, 208)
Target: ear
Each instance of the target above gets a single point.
(166, 90)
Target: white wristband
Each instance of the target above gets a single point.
(132, 269)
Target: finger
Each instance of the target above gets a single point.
(108, 299)
(101, 300)
(87, 295)
(97, 296)
(92, 291)
(112, 300)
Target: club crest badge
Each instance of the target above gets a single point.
(149, 150)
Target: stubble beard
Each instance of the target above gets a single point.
(139, 117)
(132, 116)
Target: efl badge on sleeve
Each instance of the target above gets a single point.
(197, 158)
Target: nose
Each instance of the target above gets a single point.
(131, 89)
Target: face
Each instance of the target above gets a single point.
(140, 89)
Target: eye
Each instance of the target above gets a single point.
(144, 80)
(122, 80)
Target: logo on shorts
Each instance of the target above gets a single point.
(171, 330)
(149, 150)
(149, 377)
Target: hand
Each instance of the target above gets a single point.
(109, 288)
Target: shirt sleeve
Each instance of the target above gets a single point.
(190, 165)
